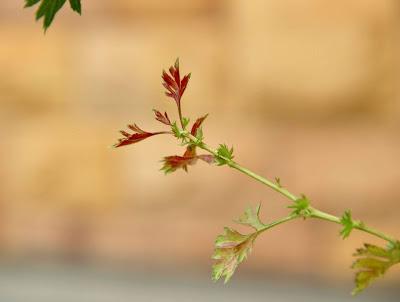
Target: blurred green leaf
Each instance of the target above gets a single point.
(251, 217)
(224, 154)
(49, 8)
(301, 207)
(185, 122)
(231, 248)
(76, 6)
(373, 262)
(348, 224)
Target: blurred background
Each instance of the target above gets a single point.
(305, 90)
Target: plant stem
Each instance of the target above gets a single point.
(314, 213)
(357, 224)
(278, 222)
(180, 115)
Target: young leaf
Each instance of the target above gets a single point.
(301, 207)
(199, 136)
(49, 8)
(174, 84)
(372, 263)
(163, 118)
(224, 155)
(197, 125)
(185, 122)
(176, 131)
(137, 136)
(251, 217)
(348, 224)
(231, 248)
(175, 162)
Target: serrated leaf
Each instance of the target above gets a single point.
(251, 217)
(231, 248)
(372, 263)
(135, 137)
(197, 124)
(185, 122)
(163, 118)
(175, 162)
(373, 251)
(176, 131)
(348, 224)
(173, 83)
(225, 154)
(301, 207)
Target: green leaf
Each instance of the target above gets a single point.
(251, 217)
(348, 224)
(199, 136)
(29, 3)
(185, 122)
(225, 155)
(51, 12)
(231, 248)
(373, 262)
(76, 6)
(176, 131)
(301, 207)
(49, 8)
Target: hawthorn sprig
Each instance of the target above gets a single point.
(232, 247)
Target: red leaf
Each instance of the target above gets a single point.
(172, 163)
(175, 162)
(173, 83)
(190, 151)
(162, 118)
(197, 124)
(137, 136)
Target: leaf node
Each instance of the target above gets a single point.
(301, 207)
(348, 224)
(225, 155)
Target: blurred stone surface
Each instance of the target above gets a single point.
(304, 90)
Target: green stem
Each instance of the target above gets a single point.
(278, 222)
(246, 171)
(357, 224)
(314, 213)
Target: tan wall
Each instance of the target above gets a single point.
(304, 90)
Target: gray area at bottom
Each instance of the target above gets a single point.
(63, 283)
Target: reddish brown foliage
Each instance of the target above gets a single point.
(197, 124)
(175, 162)
(137, 136)
(173, 83)
(163, 118)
